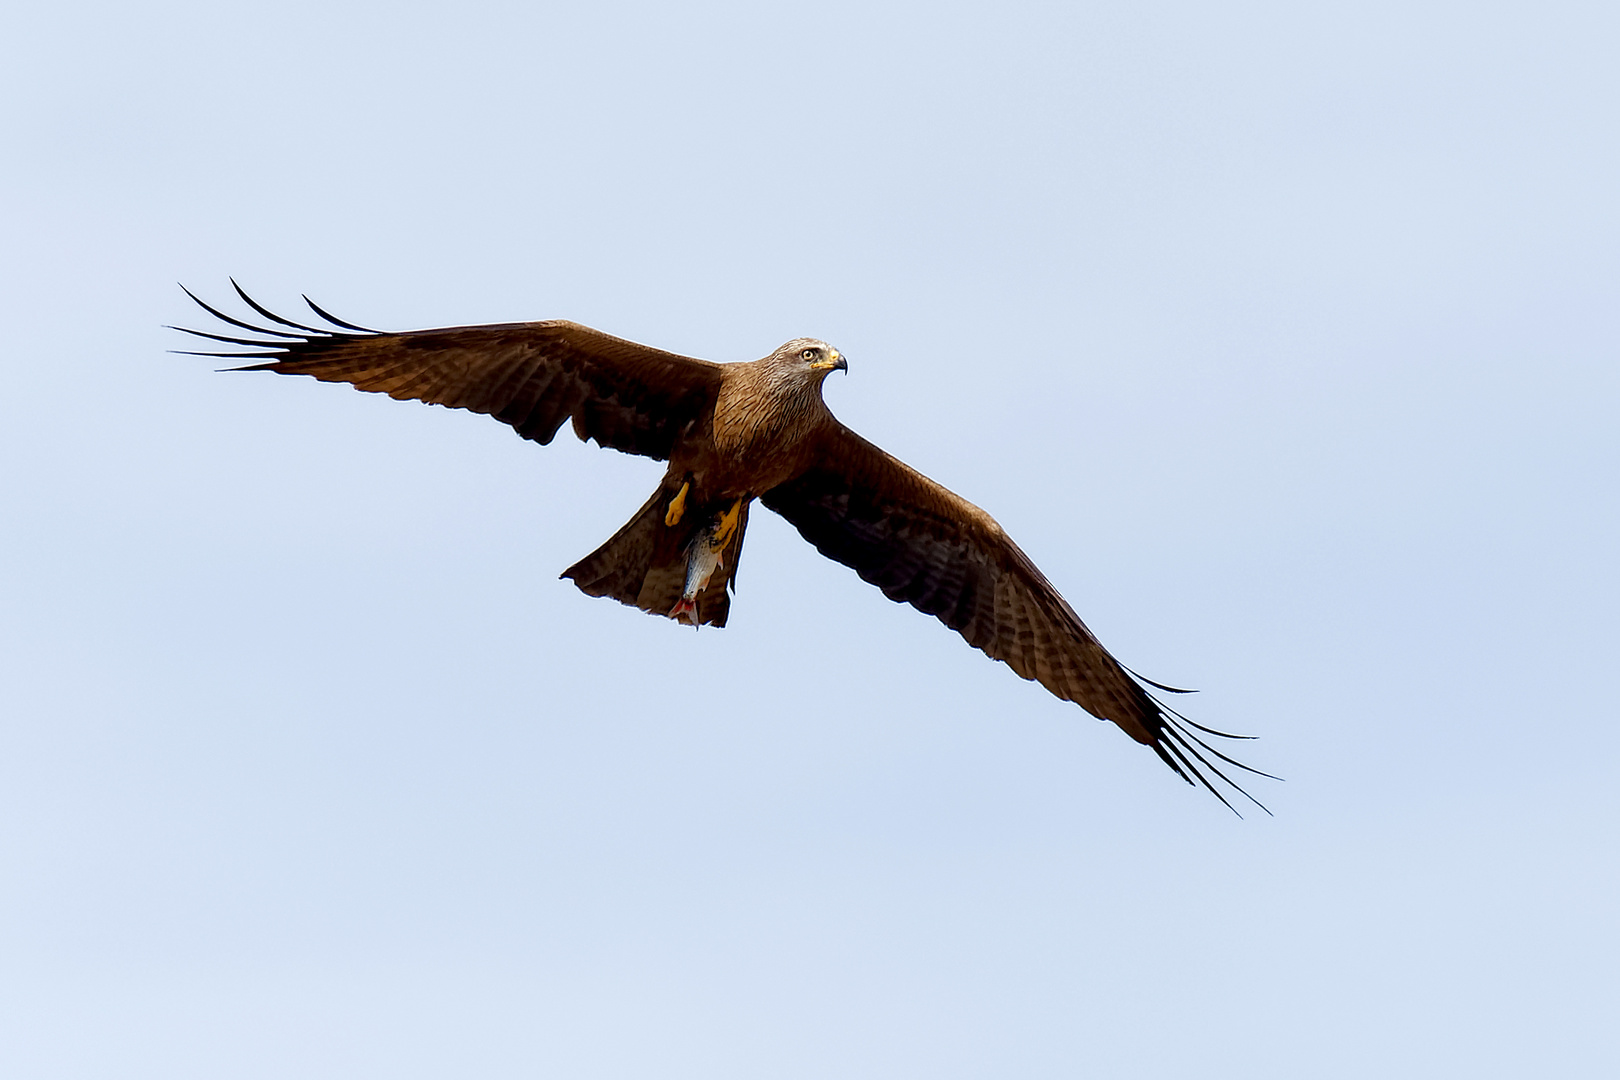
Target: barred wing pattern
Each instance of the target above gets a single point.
(925, 546)
(532, 376)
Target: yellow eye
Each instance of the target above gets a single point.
(808, 354)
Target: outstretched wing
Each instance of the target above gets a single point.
(533, 376)
(926, 546)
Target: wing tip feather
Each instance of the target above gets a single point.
(283, 343)
(1176, 741)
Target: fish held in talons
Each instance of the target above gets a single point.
(702, 560)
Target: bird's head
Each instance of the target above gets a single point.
(810, 357)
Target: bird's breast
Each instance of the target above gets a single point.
(759, 440)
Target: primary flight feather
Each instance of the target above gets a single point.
(733, 433)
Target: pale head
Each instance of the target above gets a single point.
(808, 355)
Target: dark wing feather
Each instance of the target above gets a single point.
(926, 546)
(533, 376)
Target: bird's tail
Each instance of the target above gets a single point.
(644, 563)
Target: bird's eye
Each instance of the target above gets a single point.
(808, 354)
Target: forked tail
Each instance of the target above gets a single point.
(644, 563)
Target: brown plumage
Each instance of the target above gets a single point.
(732, 433)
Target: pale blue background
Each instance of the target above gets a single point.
(1283, 337)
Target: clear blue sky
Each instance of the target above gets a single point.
(1282, 336)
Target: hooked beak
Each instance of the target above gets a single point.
(835, 362)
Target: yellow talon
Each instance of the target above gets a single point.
(677, 506)
(728, 524)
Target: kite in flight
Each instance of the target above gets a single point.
(733, 433)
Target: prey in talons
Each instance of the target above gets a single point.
(703, 558)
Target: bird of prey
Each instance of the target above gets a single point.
(731, 434)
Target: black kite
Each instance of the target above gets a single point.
(732, 433)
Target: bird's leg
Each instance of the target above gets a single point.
(727, 525)
(677, 506)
